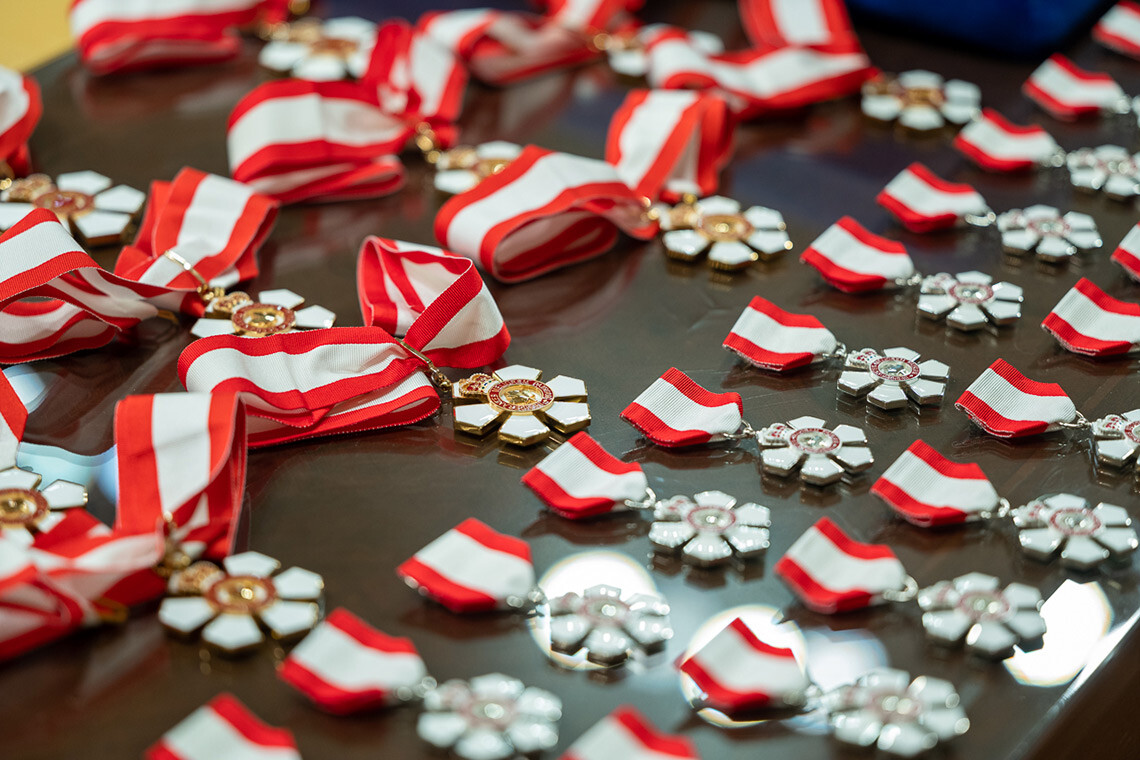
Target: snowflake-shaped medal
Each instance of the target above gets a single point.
(1085, 536)
(733, 238)
(462, 168)
(230, 607)
(274, 312)
(86, 202)
(522, 406)
(886, 709)
(610, 627)
(1117, 439)
(710, 528)
(320, 51)
(26, 509)
(968, 300)
(975, 609)
(890, 378)
(491, 717)
(1045, 231)
(920, 100)
(823, 455)
(1109, 168)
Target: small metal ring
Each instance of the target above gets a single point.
(905, 594)
(649, 502)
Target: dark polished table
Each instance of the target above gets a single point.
(351, 508)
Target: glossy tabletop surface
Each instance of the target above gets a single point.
(352, 508)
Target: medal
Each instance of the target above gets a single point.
(928, 490)
(921, 101)
(319, 50)
(733, 238)
(772, 339)
(274, 312)
(1110, 168)
(85, 202)
(227, 606)
(674, 411)
(461, 168)
(523, 409)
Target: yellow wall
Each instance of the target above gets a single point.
(32, 32)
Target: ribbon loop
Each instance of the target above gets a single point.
(1007, 404)
(924, 202)
(435, 300)
(1089, 321)
(675, 411)
(996, 144)
(929, 490)
(770, 338)
(855, 260)
(20, 110)
(581, 479)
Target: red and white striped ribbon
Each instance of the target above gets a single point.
(1119, 29)
(756, 82)
(472, 568)
(675, 411)
(544, 211)
(1007, 404)
(581, 479)
(855, 260)
(588, 16)
(831, 572)
(780, 23)
(20, 110)
(627, 734)
(668, 143)
(923, 201)
(1127, 254)
(295, 140)
(1067, 91)
(346, 666)
(224, 729)
(434, 299)
(215, 224)
(313, 383)
(122, 35)
(1091, 322)
(181, 462)
(13, 421)
(770, 338)
(75, 564)
(996, 144)
(929, 490)
(81, 305)
(738, 673)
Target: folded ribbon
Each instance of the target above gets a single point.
(20, 109)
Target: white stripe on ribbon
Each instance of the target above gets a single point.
(206, 735)
(468, 563)
(343, 661)
(836, 570)
(1072, 91)
(180, 435)
(14, 99)
(926, 485)
(679, 412)
(766, 333)
(737, 666)
(582, 479)
(845, 250)
(997, 143)
(1091, 320)
(923, 198)
(1002, 397)
(89, 13)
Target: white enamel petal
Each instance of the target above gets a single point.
(1039, 543)
(860, 727)
(717, 204)
(518, 372)
(567, 387)
(1118, 540)
(298, 583)
(314, 317)
(1028, 625)
(947, 626)
(455, 181)
(320, 68)
(927, 392)
(185, 614)
(850, 435)
(820, 470)
(780, 461)
(685, 243)
(906, 739)
(567, 632)
(282, 55)
(888, 396)
(568, 415)
(707, 549)
(921, 118)
(857, 383)
(232, 633)
(530, 736)
(608, 645)
(498, 149)
(854, 458)
(936, 305)
(477, 416)
(967, 317)
(754, 515)
(89, 182)
(287, 619)
(1119, 186)
(63, 494)
(902, 352)
(1003, 312)
(102, 225)
(921, 79)
(882, 107)
(124, 199)
(441, 729)
(932, 369)
(1083, 552)
(806, 421)
(731, 254)
(1086, 240)
(281, 297)
(1019, 240)
(670, 535)
(770, 242)
(17, 478)
(1110, 514)
(1054, 249)
(965, 93)
(483, 744)
(205, 328)
(746, 540)
(991, 639)
(10, 213)
(523, 429)
(251, 563)
(764, 218)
